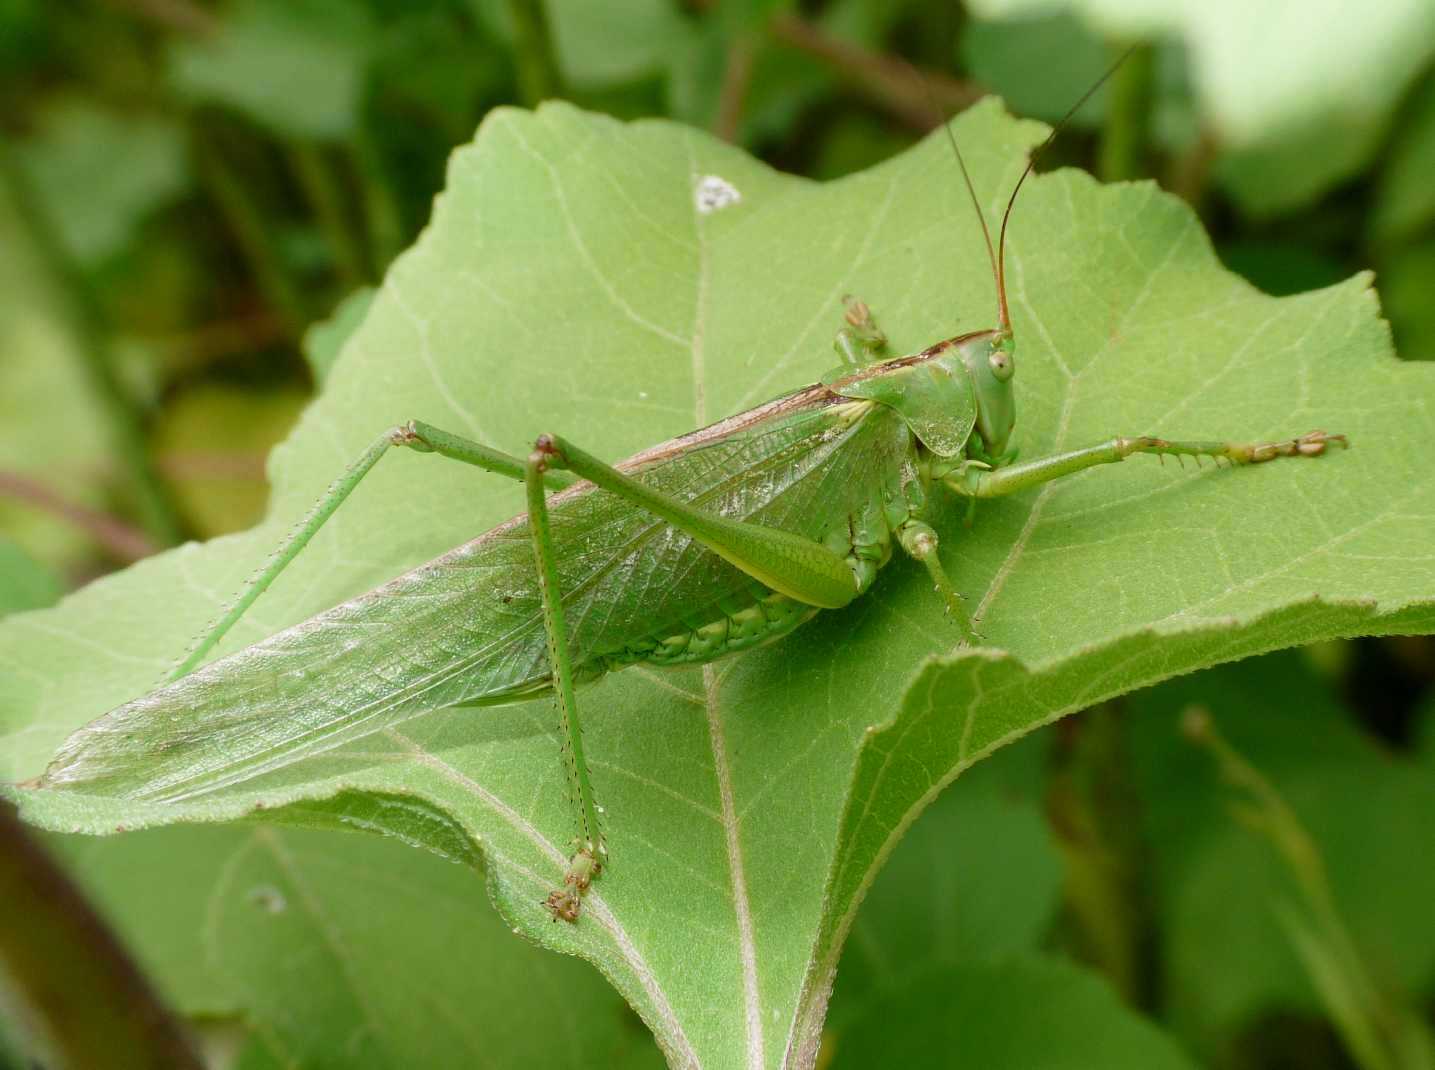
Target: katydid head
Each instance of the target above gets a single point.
(990, 366)
(990, 356)
(964, 384)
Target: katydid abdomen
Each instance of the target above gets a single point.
(466, 629)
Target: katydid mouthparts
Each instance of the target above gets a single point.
(701, 547)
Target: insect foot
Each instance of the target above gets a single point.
(920, 540)
(1310, 444)
(566, 903)
(857, 314)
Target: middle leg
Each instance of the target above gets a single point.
(920, 541)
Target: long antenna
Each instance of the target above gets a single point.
(1030, 166)
(971, 192)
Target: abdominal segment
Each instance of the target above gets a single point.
(768, 617)
(758, 615)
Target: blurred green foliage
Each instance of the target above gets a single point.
(191, 189)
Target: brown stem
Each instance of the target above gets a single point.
(83, 998)
(119, 539)
(736, 77)
(213, 464)
(539, 76)
(256, 239)
(889, 81)
(1125, 134)
(181, 15)
(209, 342)
(1189, 173)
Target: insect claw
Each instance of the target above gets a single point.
(1313, 443)
(857, 311)
(564, 904)
(567, 902)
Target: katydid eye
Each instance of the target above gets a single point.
(1001, 365)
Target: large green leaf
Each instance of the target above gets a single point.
(568, 282)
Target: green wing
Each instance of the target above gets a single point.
(930, 390)
(467, 629)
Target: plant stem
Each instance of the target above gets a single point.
(889, 82)
(118, 539)
(539, 78)
(182, 16)
(1380, 1030)
(736, 77)
(197, 346)
(247, 224)
(1187, 175)
(327, 198)
(1122, 155)
(83, 1000)
(1090, 804)
(382, 217)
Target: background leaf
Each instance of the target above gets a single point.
(295, 67)
(24, 582)
(1221, 886)
(325, 947)
(943, 957)
(44, 384)
(1015, 1014)
(219, 491)
(1299, 116)
(567, 284)
(96, 206)
(1405, 201)
(1002, 53)
(325, 339)
(1409, 279)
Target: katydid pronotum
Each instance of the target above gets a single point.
(703, 546)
